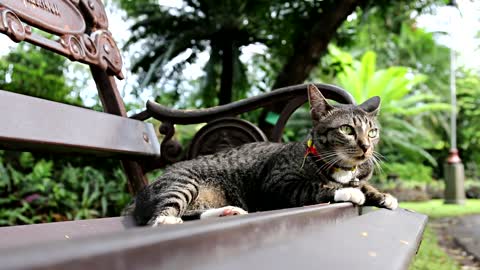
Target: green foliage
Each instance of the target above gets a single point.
(409, 172)
(173, 38)
(397, 41)
(437, 208)
(403, 104)
(468, 91)
(431, 256)
(35, 190)
(36, 72)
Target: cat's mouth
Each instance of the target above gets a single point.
(361, 157)
(354, 159)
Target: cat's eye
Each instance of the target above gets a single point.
(346, 129)
(372, 133)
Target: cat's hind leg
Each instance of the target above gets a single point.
(213, 213)
(223, 212)
(164, 201)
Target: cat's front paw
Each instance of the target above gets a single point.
(389, 202)
(350, 194)
(161, 220)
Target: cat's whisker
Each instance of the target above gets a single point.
(379, 156)
(377, 164)
(333, 163)
(326, 156)
(329, 162)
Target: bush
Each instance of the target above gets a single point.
(410, 172)
(408, 181)
(472, 189)
(34, 190)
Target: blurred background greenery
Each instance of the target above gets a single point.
(194, 54)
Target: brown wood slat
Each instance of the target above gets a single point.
(112, 103)
(25, 235)
(185, 246)
(380, 240)
(28, 123)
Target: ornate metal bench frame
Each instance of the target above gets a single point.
(78, 29)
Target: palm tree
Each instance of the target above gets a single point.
(219, 27)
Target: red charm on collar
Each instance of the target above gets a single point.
(311, 149)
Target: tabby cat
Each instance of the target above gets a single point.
(332, 165)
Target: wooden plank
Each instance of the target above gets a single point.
(112, 103)
(380, 240)
(28, 123)
(168, 247)
(25, 235)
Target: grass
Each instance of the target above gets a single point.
(430, 255)
(436, 208)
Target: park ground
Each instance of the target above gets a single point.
(438, 251)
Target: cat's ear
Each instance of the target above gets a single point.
(318, 104)
(371, 105)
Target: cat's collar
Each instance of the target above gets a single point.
(342, 168)
(341, 174)
(311, 150)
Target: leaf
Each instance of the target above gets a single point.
(367, 70)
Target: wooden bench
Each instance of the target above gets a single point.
(334, 236)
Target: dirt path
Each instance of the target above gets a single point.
(446, 228)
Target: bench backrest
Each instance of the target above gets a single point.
(77, 29)
(80, 32)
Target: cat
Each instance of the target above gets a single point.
(332, 165)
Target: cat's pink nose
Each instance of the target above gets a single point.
(364, 147)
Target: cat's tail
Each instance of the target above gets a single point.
(128, 210)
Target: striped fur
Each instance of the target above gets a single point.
(266, 176)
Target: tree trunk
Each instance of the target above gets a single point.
(308, 51)
(226, 79)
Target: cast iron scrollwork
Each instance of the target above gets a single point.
(224, 133)
(109, 57)
(75, 47)
(91, 45)
(170, 149)
(222, 129)
(13, 26)
(95, 10)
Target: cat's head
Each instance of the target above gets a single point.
(345, 135)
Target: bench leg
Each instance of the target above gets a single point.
(112, 103)
(136, 177)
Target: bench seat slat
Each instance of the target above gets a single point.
(318, 237)
(28, 123)
(24, 235)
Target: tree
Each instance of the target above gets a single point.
(221, 28)
(36, 72)
(296, 32)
